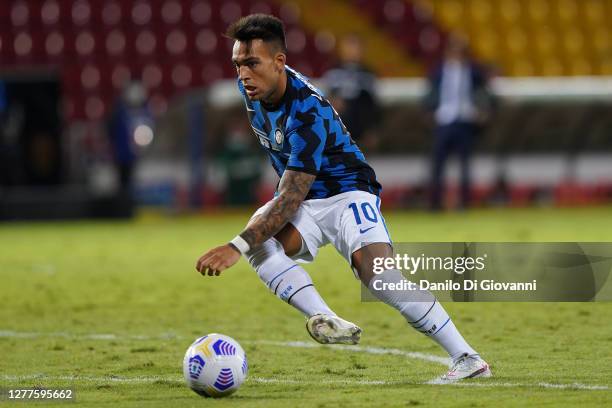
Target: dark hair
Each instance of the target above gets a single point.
(258, 26)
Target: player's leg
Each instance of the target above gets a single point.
(291, 240)
(283, 276)
(290, 282)
(361, 237)
(421, 310)
(419, 307)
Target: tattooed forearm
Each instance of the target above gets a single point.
(293, 187)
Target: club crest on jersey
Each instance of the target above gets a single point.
(279, 137)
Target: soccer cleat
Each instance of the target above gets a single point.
(327, 329)
(467, 366)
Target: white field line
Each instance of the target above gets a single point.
(169, 336)
(359, 349)
(172, 379)
(294, 344)
(264, 380)
(86, 336)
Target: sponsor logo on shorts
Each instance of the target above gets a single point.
(362, 230)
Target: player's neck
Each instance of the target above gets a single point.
(273, 101)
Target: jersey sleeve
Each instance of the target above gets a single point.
(307, 143)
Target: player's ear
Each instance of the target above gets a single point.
(279, 61)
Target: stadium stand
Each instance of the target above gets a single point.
(177, 46)
(570, 37)
(173, 45)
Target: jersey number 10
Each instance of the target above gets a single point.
(366, 209)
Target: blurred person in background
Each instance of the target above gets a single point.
(130, 125)
(12, 124)
(6, 171)
(461, 103)
(352, 92)
(241, 162)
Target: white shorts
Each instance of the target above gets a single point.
(348, 221)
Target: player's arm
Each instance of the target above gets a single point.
(307, 142)
(293, 188)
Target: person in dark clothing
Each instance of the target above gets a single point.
(129, 120)
(352, 91)
(460, 101)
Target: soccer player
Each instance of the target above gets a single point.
(327, 194)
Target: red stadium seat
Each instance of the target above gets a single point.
(200, 13)
(50, 13)
(119, 74)
(86, 44)
(112, 13)
(20, 14)
(95, 107)
(81, 13)
(116, 43)
(142, 13)
(23, 46)
(182, 75)
(174, 12)
(171, 44)
(146, 43)
(296, 40)
(230, 11)
(206, 41)
(55, 44)
(176, 43)
(90, 77)
(152, 75)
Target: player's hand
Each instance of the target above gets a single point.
(217, 260)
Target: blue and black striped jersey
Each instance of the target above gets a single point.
(304, 133)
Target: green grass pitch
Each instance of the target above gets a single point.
(110, 308)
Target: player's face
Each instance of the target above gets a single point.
(259, 68)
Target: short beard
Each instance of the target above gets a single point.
(265, 98)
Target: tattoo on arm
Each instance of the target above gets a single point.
(293, 188)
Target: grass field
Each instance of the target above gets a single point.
(109, 309)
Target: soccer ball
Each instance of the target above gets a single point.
(215, 366)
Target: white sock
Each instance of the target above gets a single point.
(422, 311)
(286, 279)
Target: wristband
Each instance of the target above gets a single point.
(240, 244)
